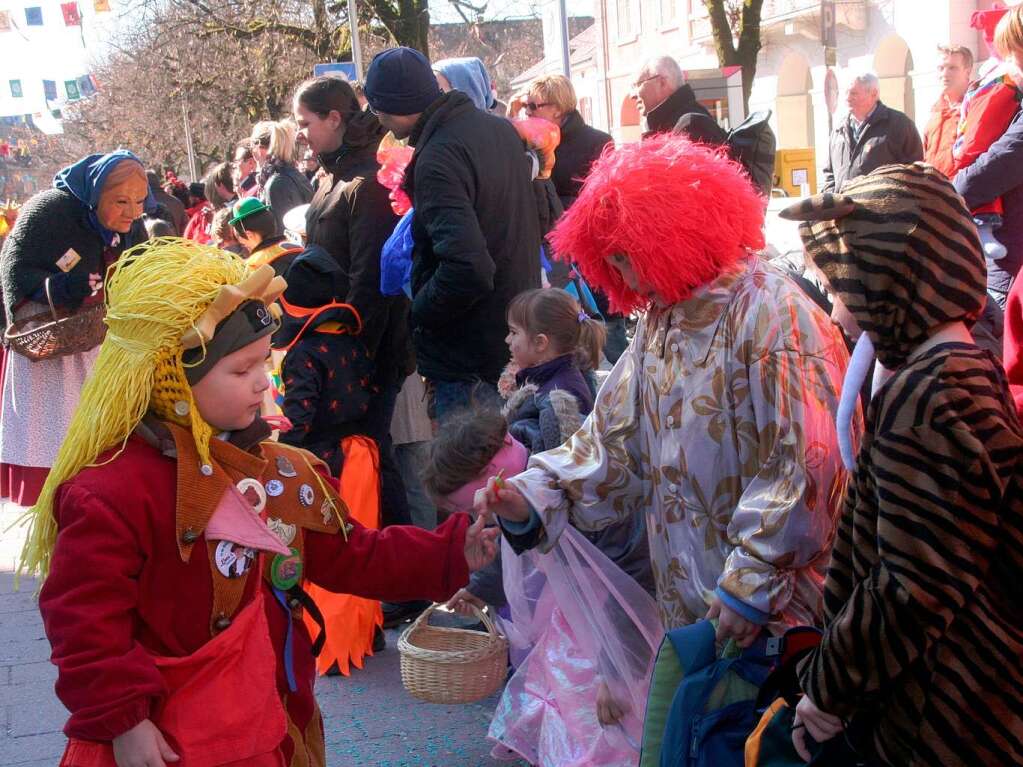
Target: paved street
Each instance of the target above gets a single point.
(369, 719)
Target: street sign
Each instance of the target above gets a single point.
(344, 68)
(831, 91)
(829, 31)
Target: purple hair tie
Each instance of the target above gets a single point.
(583, 316)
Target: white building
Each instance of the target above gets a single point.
(896, 39)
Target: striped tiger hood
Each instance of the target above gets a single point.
(899, 247)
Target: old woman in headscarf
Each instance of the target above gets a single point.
(58, 252)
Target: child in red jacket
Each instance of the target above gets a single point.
(988, 107)
(175, 539)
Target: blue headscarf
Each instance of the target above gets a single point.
(84, 179)
(469, 76)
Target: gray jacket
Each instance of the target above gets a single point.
(888, 137)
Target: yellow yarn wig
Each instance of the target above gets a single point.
(155, 294)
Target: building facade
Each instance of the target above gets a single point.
(895, 39)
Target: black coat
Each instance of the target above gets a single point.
(666, 115)
(350, 216)
(476, 234)
(286, 188)
(888, 137)
(580, 145)
(327, 390)
(50, 223)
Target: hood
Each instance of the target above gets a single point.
(900, 249)
(469, 76)
(363, 132)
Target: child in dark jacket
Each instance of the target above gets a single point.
(553, 344)
(326, 370)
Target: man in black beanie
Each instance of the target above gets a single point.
(475, 230)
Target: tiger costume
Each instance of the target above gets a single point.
(922, 649)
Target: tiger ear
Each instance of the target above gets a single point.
(820, 207)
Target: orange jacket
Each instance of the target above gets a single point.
(940, 135)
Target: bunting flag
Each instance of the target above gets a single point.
(50, 90)
(16, 91)
(34, 16)
(86, 86)
(71, 86)
(72, 16)
(101, 6)
(5, 21)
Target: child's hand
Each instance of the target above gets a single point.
(143, 746)
(462, 600)
(731, 625)
(821, 725)
(499, 498)
(95, 282)
(480, 543)
(609, 710)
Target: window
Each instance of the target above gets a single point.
(16, 91)
(668, 12)
(625, 20)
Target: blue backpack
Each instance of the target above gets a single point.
(714, 706)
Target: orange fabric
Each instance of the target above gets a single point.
(940, 135)
(222, 708)
(350, 620)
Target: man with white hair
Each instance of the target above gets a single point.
(872, 136)
(664, 98)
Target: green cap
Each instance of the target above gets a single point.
(245, 208)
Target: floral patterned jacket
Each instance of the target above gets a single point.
(718, 424)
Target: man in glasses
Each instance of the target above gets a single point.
(476, 238)
(664, 98)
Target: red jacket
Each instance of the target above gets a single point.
(120, 592)
(200, 218)
(1012, 344)
(940, 135)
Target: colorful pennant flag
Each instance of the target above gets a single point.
(5, 21)
(101, 6)
(71, 86)
(72, 16)
(86, 86)
(34, 16)
(16, 91)
(50, 90)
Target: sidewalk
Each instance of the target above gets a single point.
(369, 718)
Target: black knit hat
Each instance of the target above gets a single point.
(401, 82)
(314, 281)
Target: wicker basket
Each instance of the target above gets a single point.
(449, 665)
(57, 332)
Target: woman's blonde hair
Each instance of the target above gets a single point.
(278, 138)
(1009, 33)
(556, 90)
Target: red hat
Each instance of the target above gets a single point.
(988, 20)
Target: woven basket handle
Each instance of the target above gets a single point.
(485, 619)
(49, 299)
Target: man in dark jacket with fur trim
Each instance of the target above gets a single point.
(477, 240)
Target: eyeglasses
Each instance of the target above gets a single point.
(372, 111)
(532, 106)
(636, 85)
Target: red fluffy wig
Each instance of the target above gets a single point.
(683, 213)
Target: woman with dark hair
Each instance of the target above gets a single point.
(243, 169)
(350, 216)
(58, 251)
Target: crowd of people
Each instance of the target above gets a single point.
(411, 344)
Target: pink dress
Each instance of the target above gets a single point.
(576, 620)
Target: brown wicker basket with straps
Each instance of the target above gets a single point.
(57, 332)
(451, 665)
